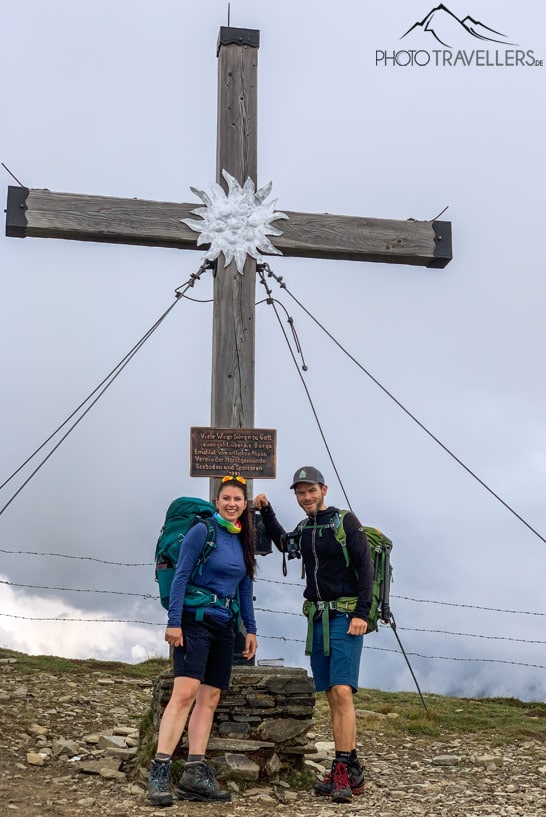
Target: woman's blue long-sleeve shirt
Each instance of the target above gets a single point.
(222, 573)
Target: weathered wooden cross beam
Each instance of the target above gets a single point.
(44, 214)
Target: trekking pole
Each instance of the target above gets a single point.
(392, 622)
(386, 586)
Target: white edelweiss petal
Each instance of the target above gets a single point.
(271, 205)
(240, 258)
(263, 193)
(211, 253)
(201, 211)
(201, 195)
(273, 231)
(268, 213)
(232, 183)
(218, 193)
(266, 206)
(249, 187)
(265, 245)
(193, 224)
(255, 253)
(228, 255)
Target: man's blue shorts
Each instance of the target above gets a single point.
(207, 652)
(343, 664)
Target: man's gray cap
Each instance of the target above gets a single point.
(307, 474)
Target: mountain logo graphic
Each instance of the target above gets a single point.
(445, 27)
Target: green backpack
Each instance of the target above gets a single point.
(380, 551)
(182, 514)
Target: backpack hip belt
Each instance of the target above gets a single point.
(345, 604)
(200, 598)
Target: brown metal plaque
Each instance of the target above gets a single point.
(249, 452)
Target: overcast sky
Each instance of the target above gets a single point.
(119, 99)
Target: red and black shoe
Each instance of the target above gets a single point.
(341, 788)
(356, 781)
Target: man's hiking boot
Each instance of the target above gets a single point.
(198, 782)
(341, 787)
(356, 781)
(159, 784)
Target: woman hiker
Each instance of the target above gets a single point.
(202, 638)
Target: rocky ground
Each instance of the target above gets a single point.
(69, 747)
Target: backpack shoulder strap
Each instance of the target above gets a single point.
(341, 536)
(208, 547)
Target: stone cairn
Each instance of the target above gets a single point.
(261, 723)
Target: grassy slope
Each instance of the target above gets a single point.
(494, 720)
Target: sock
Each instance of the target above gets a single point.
(343, 757)
(195, 758)
(354, 761)
(161, 757)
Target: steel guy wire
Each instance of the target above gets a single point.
(101, 388)
(400, 405)
(13, 176)
(260, 269)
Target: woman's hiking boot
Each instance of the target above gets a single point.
(159, 784)
(198, 782)
(356, 780)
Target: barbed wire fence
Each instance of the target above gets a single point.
(265, 613)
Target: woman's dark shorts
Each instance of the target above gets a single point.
(207, 652)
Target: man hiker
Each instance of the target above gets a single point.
(338, 596)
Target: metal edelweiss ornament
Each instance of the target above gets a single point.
(236, 223)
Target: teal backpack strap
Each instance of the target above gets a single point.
(235, 608)
(208, 547)
(200, 597)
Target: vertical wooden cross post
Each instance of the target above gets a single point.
(233, 335)
(46, 214)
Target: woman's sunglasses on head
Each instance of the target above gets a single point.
(234, 478)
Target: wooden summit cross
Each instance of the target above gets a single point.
(45, 214)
